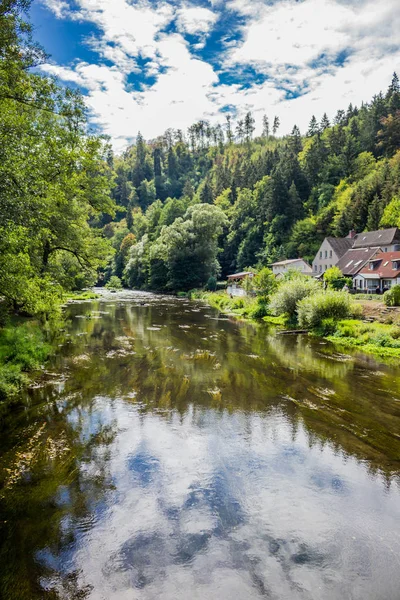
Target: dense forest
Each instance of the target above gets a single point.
(216, 200)
(171, 212)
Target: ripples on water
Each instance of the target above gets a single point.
(204, 459)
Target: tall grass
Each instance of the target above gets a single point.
(23, 348)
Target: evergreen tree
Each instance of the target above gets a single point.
(276, 125)
(229, 132)
(265, 131)
(249, 127)
(313, 127)
(240, 131)
(295, 140)
(325, 122)
(375, 212)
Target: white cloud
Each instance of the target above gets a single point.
(195, 20)
(285, 41)
(60, 8)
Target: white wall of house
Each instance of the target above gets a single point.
(370, 282)
(325, 258)
(299, 265)
(235, 290)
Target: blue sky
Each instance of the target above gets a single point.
(153, 64)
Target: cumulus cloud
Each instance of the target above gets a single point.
(315, 56)
(196, 20)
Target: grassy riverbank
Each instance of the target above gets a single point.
(25, 346)
(379, 339)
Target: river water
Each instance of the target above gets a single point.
(173, 453)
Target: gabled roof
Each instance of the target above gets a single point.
(240, 275)
(383, 237)
(289, 262)
(355, 259)
(384, 266)
(340, 245)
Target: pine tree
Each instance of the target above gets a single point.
(249, 127)
(295, 140)
(229, 132)
(375, 211)
(394, 86)
(240, 131)
(188, 190)
(325, 123)
(265, 132)
(340, 118)
(313, 128)
(157, 162)
(276, 125)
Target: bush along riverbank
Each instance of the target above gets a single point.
(24, 347)
(299, 302)
(27, 342)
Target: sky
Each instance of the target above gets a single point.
(150, 65)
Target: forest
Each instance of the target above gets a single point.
(216, 200)
(174, 211)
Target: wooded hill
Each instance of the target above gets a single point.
(172, 212)
(266, 198)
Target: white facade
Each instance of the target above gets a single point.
(325, 259)
(369, 283)
(284, 266)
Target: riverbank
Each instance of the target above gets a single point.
(26, 344)
(381, 339)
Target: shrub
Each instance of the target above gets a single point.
(260, 310)
(289, 293)
(211, 285)
(114, 283)
(335, 280)
(314, 310)
(392, 297)
(238, 303)
(265, 282)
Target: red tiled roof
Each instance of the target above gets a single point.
(384, 268)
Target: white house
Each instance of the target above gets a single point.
(333, 249)
(330, 252)
(283, 266)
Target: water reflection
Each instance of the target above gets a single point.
(203, 458)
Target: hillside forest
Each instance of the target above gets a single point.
(171, 212)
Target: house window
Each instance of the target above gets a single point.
(330, 266)
(385, 249)
(326, 253)
(320, 254)
(320, 268)
(326, 266)
(330, 253)
(315, 268)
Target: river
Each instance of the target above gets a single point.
(173, 453)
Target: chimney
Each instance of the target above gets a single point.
(352, 234)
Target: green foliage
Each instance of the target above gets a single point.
(375, 338)
(23, 348)
(211, 285)
(285, 300)
(335, 280)
(314, 310)
(114, 283)
(260, 310)
(184, 256)
(265, 282)
(54, 178)
(392, 296)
